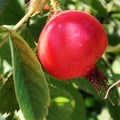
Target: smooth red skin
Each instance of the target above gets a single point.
(71, 43)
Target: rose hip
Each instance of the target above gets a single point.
(70, 44)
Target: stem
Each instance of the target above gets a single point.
(37, 6)
(54, 5)
(24, 19)
(4, 40)
(113, 85)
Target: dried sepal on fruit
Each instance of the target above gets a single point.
(37, 5)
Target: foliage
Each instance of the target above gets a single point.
(26, 86)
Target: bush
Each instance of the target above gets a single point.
(26, 86)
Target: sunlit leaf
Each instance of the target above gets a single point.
(115, 65)
(78, 111)
(3, 29)
(62, 104)
(30, 84)
(116, 15)
(113, 48)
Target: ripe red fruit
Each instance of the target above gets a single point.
(70, 44)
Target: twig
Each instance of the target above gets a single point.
(108, 90)
(36, 6)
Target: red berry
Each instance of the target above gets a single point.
(70, 44)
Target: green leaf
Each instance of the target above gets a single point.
(13, 12)
(8, 101)
(113, 30)
(113, 48)
(98, 6)
(84, 85)
(3, 29)
(114, 107)
(28, 38)
(30, 84)
(3, 35)
(79, 111)
(5, 58)
(3, 3)
(36, 25)
(116, 15)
